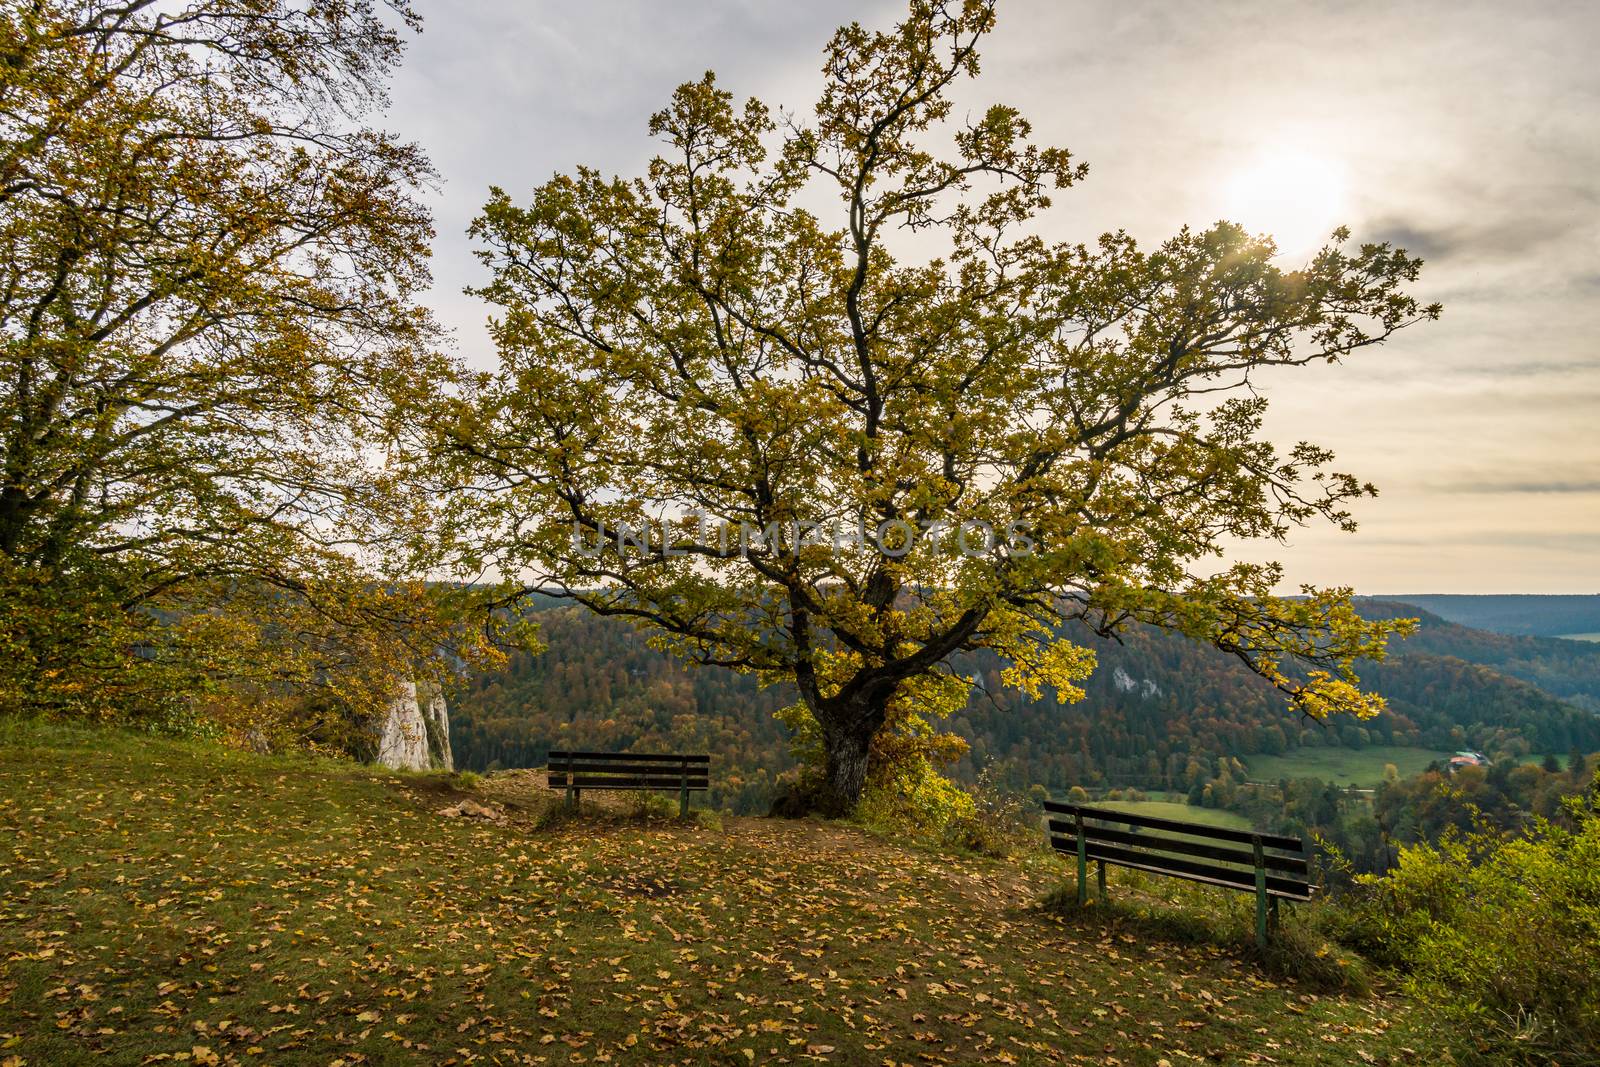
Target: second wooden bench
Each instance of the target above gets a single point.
(1272, 866)
(667, 772)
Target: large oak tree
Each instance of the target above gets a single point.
(749, 334)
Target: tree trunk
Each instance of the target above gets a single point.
(845, 773)
(847, 734)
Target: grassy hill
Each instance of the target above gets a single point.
(171, 902)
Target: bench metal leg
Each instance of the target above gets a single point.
(1100, 876)
(1083, 865)
(1261, 895)
(683, 802)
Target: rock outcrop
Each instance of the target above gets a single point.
(1127, 683)
(415, 732)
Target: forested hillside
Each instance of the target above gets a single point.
(1566, 669)
(1159, 710)
(600, 686)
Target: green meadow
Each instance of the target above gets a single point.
(1343, 766)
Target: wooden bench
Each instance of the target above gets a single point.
(1271, 866)
(577, 771)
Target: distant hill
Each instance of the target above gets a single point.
(1566, 669)
(1159, 704)
(1159, 713)
(1530, 614)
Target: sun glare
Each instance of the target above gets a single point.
(1295, 196)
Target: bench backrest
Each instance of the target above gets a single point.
(628, 770)
(1211, 854)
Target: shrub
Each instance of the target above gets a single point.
(1501, 935)
(552, 815)
(649, 806)
(914, 796)
(1003, 822)
(972, 834)
(177, 717)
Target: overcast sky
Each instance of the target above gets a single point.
(1469, 133)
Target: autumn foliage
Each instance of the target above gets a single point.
(741, 338)
(211, 357)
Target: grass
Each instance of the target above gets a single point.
(1180, 810)
(167, 901)
(1152, 907)
(1343, 766)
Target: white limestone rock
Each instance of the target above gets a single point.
(415, 733)
(1127, 683)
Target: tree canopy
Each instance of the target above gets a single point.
(740, 337)
(210, 349)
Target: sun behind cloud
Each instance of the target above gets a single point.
(1294, 195)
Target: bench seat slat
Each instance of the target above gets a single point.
(1157, 843)
(652, 776)
(1223, 883)
(655, 780)
(615, 781)
(1216, 833)
(646, 757)
(1211, 874)
(624, 781)
(629, 767)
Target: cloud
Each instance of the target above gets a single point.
(1465, 128)
(1520, 485)
(1507, 237)
(1533, 366)
(1526, 485)
(1577, 542)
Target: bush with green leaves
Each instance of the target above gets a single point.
(914, 796)
(1501, 935)
(1003, 822)
(651, 806)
